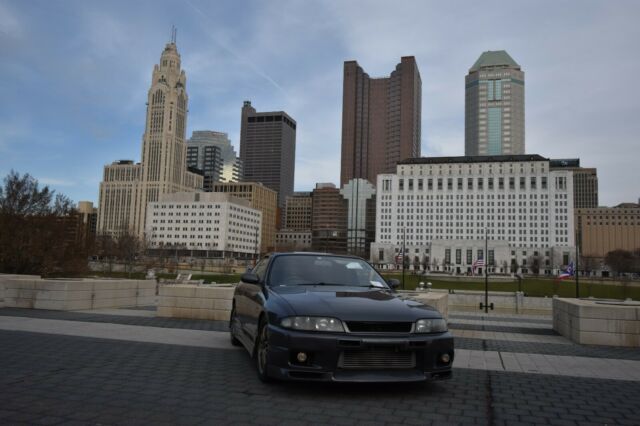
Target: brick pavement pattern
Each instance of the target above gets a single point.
(190, 324)
(55, 379)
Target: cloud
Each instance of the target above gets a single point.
(77, 84)
(56, 182)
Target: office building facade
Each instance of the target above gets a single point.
(604, 229)
(329, 219)
(494, 106)
(208, 160)
(361, 216)
(585, 182)
(515, 201)
(260, 197)
(381, 120)
(229, 166)
(211, 225)
(297, 212)
(268, 149)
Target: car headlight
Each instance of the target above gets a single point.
(313, 324)
(436, 325)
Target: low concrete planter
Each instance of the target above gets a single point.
(594, 322)
(81, 294)
(210, 302)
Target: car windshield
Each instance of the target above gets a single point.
(323, 270)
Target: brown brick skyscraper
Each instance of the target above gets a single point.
(380, 120)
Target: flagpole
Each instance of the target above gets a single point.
(404, 236)
(486, 274)
(577, 254)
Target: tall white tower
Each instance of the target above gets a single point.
(127, 188)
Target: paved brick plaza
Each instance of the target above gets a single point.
(93, 368)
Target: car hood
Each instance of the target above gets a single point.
(353, 303)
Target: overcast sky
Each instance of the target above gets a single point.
(74, 77)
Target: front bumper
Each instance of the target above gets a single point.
(324, 356)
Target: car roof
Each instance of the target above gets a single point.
(310, 253)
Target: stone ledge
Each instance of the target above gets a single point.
(195, 301)
(594, 322)
(67, 294)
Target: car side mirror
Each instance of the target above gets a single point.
(393, 283)
(250, 278)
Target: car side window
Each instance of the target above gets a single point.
(261, 268)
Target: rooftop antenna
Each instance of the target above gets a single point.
(174, 34)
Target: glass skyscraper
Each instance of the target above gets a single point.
(494, 106)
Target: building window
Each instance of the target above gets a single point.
(458, 256)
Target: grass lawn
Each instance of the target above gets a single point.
(538, 287)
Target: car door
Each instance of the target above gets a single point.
(247, 295)
(254, 299)
(240, 299)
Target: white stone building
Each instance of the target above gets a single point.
(440, 208)
(208, 224)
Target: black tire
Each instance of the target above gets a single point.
(262, 352)
(234, 339)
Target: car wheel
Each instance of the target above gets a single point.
(234, 339)
(262, 352)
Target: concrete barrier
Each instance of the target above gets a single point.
(596, 322)
(75, 294)
(210, 302)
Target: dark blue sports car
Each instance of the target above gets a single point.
(313, 316)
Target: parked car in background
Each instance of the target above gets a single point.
(316, 316)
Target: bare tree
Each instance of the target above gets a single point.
(39, 229)
(128, 248)
(105, 249)
(534, 262)
(620, 261)
(514, 266)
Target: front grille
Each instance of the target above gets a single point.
(379, 327)
(377, 359)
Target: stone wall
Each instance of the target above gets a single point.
(75, 294)
(594, 322)
(211, 302)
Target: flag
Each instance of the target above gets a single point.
(566, 273)
(399, 258)
(477, 264)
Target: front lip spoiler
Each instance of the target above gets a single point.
(373, 376)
